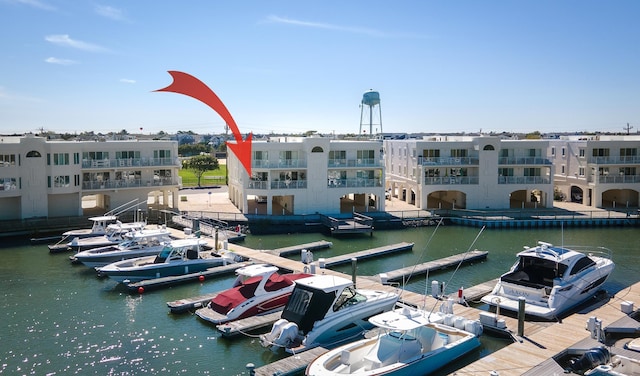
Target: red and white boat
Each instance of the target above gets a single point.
(258, 289)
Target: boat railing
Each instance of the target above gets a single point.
(592, 251)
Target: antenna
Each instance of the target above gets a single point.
(628, 128)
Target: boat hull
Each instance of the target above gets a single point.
(106, 258)
(146, 269)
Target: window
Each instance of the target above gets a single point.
(7, 160)
(7, 184)
(127, 154)
(600, 152)
(366, 154)
(505, 153)
(532, 171)
(627, 171)
(161, 154)
(562, 169)
(337, 154)
(431, 153)
(60, 159)
(76, 158)
(581, 152)
(582, 264)
(34, 154)
(260, 155)
(553, 151)
(289, 155)
(76, 180)
(564, 151)
(534, 152)
(505, 171)
(458, 153)
(61, 181)
(581, 171)
(95, 155)
(317, 149)
(488, 148)
(628, 154)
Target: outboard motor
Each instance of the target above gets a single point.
(283, 333)
(591, 359)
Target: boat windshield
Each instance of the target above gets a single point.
(164, 254)
(348, 297)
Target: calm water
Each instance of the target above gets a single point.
(58, 318)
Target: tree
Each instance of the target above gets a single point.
(201, 164)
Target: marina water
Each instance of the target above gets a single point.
(60, 319)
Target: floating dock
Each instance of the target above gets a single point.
(443, 263)
(294, 364)
(359, 224)
(368, 253)
(234, 328)
(296, 249)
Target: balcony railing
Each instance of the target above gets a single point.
(447, 161)
(292, 163)
(357, 182)
(616, 179)
(436, 180)
(524, 161)
(523, 180)
(257, 184)
(633, 159)
(126, 183)
(260, 163)
(289, 184)
(362, 162)
(130, 162)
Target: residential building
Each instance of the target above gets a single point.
(600, 171)
(469, 172)
(52, 178)
(308, 175)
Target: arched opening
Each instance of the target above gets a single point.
(576, 194)
(359, 202)
(33, 154)
(447, 200)
(488, 148)
(620, 198)
(317, 149)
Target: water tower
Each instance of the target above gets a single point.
(371, 104)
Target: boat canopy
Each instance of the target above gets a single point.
(406, 319)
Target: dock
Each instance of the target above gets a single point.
(248, 324)
(368, 253)
(443, 263)
(293, 364)
(156, 283)
(359, 224)
(296, 249)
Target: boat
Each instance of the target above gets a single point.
(410, 341)
(619, 365)
(551, 279)
(98, 228)
(178, 257)
(139, 243)
(115, 234)
(258, 289)
(325, 310)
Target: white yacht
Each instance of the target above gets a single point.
(551, 279)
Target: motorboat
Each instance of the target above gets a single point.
(178, 257)
(115, 234)
(258, 289)
(98, 228)
(148, 242)
(325, 310)
(619, 365)
(551, 279)
(410, 341)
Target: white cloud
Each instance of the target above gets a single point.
(32, 3)
(110, 12)
(55, 60)
(65, 41)
(350, 29)
(127, 81)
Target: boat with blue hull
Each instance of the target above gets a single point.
(179, 257)
(410, 342)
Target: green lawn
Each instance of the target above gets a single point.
(215, 177)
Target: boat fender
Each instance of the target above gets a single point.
(459, 322)
(448, 319)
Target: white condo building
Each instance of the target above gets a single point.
(50, 178)
(469, 172)
(599, 171)
(308, 175)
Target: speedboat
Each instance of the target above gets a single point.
(258, 289)
(136, 244)
(551, 279)
(410, 341)
(324, 310)
(619, 365)
(98, 228)
(178, 257)
(115, 234)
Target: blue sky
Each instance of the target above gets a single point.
(292, 66)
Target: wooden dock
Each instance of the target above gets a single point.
(248, 324)
(443, 263)
(296, 249)
(360, 223)
(368, 253)
(291, 365)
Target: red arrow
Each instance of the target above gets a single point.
(188, 85)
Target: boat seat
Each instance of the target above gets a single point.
(391, 349)
(192, 254)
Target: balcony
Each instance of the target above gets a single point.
(289, 184)
(453, 180)
(292, 163)
(524, 161)
(126, 183)
(365, 162)
(130, 162)
(260, 163)
(257, 184)
(634, 159)
(357, 182)
(523, 180)
(616, 179)
(448, 161)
